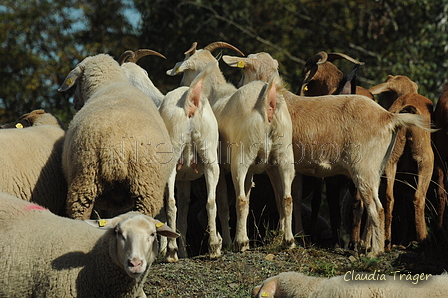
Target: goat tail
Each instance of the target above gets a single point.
(409, 120)
(269, 98)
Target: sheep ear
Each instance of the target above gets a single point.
(163, 229)
(110, 223)
(71, 79)
(233, 61)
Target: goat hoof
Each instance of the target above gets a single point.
(241, 246)
(171, 257)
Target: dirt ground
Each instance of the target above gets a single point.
(235, 274)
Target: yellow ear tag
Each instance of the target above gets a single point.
(305, 88)
(240, 64)
(69, 81)
(19, 125)
(177, 69)
(159, 224)
(265, 294)
(102, 222)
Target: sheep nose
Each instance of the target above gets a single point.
(135, 263)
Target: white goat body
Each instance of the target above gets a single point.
(255, 130)
(193, 129)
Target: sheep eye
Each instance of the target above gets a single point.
(120, 234)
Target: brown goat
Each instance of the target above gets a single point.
(322, 77)
(440, 139)
(392, 88)
(339, 134)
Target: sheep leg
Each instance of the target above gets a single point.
(183, 201)
(242, 181)
(81, 198)
(390, 172)
(211, 173)
(223, 208)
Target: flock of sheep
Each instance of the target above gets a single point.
(130, 153)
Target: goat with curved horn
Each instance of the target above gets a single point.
(131, 56)
(192, 50)
(220, 44)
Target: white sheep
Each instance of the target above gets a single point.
(194, 135)
(353, 285)
(31, 161)
(44, 255)
(34, 118)
(338, 134)
(117, 151)
(255, 133)
(138, 76)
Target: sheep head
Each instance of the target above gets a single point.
(259, 66)
(134, 245)
(321, 76)
(196, 60)
(91, 74)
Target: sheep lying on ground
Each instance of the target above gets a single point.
(117, 151)
(194, 135)
(298, 285)
(34, 118)
(255, 129)
(339, 134)
(31, 161)
(44, 255)
(138, 76)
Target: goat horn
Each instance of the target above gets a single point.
(220, 44)
(320, 58)
(336, 56)
(125, 56)
(145, 52)
(192, 50)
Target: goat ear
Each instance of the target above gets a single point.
(178, 68)
(71, 78)
(380, 88)
(233, 61)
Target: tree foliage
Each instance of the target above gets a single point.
(42, 40)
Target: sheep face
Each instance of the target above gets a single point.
(256, 67)
(134, 246)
